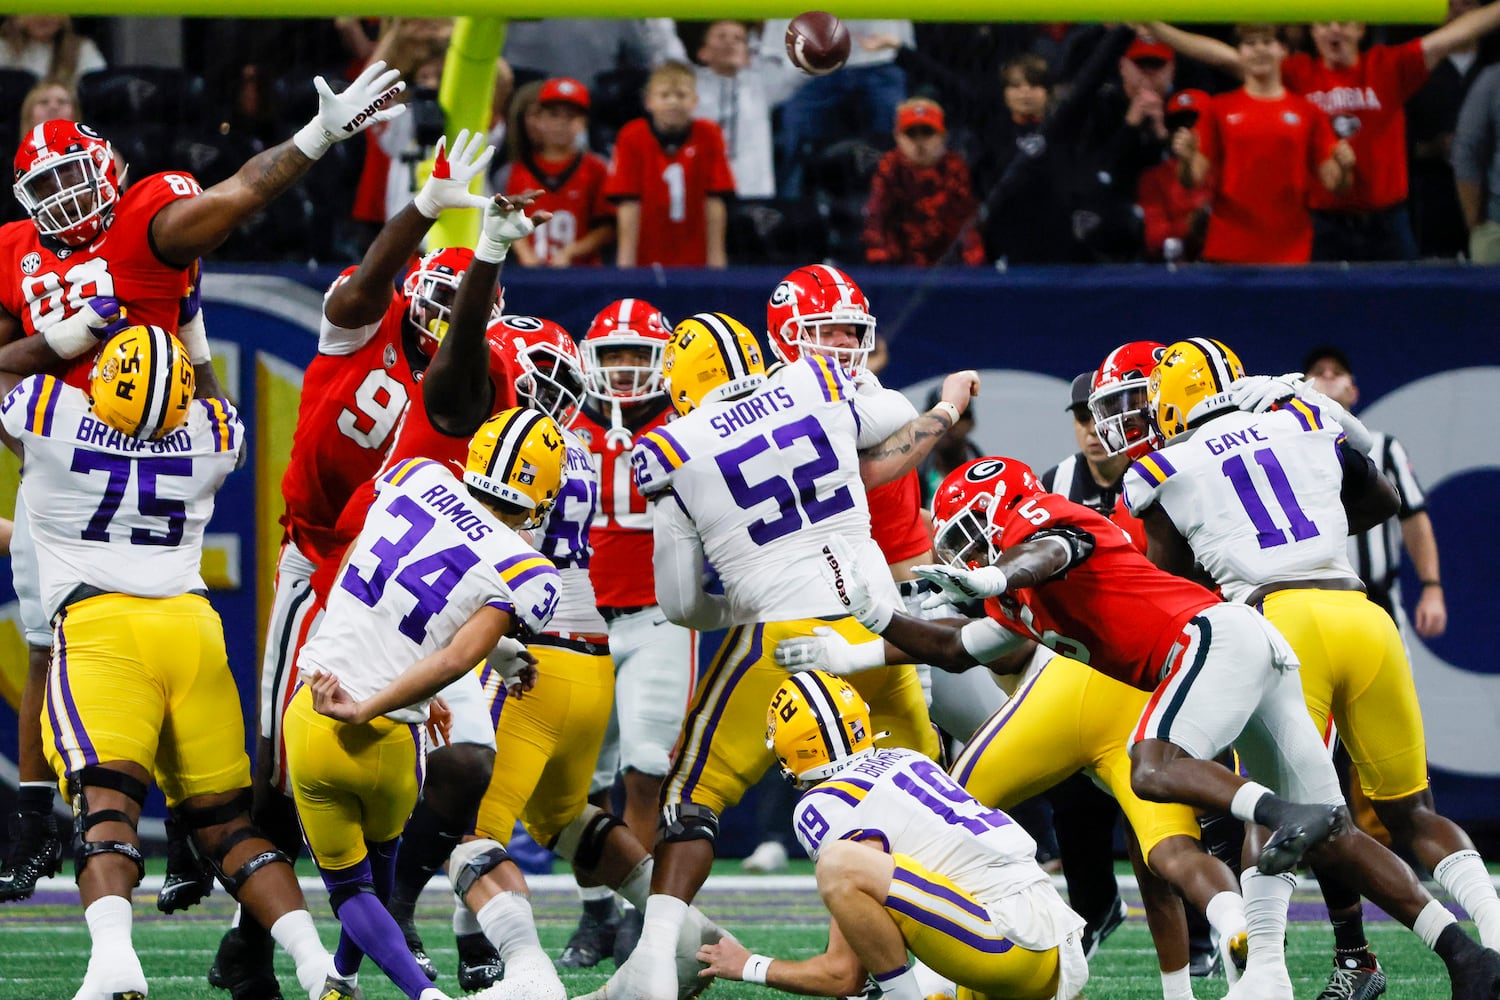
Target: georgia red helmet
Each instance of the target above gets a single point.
(429, 288)
(1117, 398)
(66, 181)
(625, 325)
(811, 298)
(548, 369)
(969, 508)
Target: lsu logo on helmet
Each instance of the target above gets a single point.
(710, 356)
(142, 383)
(816, 725)
(517, 457)
(1192, 373)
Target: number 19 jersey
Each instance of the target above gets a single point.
(428, 557)
(108, 511)
(769, 478)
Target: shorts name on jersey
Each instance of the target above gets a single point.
(744, 413)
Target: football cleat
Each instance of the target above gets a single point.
(335, 988)
(187, 881)
(479, 965)
(34, 852)
(1094, 937)
(418, 949)
(1310, 825)
(1234, 952)
(1354, 979)
(245, 970)
(1474, 972)
(627, 934)
(592, 940)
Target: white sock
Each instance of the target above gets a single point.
(900, 984)
(464, 921)
(1463, 874)
(295, 932)
(1242, 806)
(663, 921)
(1266, 899)
(637, 885)
(1431, 923)
(593, 893)
(433, 993)
(112, 959)
(508, 923)
(1177, 985)
(1226, 914)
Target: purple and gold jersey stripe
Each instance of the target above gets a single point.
(43, 405)
(963, 768)
(518, 569)
(943, 907)
(1155, 468)
(223, 427)
(402, 472)
(665, 447)
(830, 379)
(71, 739)
(1307, 415)
(848, 789)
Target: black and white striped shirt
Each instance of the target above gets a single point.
(1071, 477)
(1376, 554)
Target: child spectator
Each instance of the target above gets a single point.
(1173, 208)
(737, 87)
(47, 46)
(549, 157)
(670, 177)
(1476, 166)
(1264, 145)
(921, 200)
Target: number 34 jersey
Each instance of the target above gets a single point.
(1256, 495)
(769, 478)
(109, 511)
(428, 557)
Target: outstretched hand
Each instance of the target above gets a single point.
(369, 99)
(505, 222)
(448, 184)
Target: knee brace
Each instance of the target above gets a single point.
(341, 894)
(582, 841)
(684, 821)
(237, 808)
(471, 862)
(84, 819)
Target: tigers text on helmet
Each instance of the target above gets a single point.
(969, 508)
(430, 287)
(1118, 399)
(709, 357)
(142, 383)
(1191, 381)
(549, 370)
(808, 304)
(66, 181)
(817, 725)
(517, 457)
(626, 327)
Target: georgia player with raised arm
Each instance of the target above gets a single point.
(87, 254)
(373, 347)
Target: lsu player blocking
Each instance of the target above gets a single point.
(1264, 502)
(88, 253)
(121, 482)
(756, 475)
(437, 579)
(906, 861)
(373, 346)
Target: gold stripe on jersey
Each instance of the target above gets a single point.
(400, 473)
(833, 386)
(666, 448)
(221, 424)
(46, 394)
(510, 574)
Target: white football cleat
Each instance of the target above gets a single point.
(646, 975)
(527, 977)
(1263, 983)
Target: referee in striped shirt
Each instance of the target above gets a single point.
(1376, 553)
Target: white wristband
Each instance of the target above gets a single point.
(426, 203)
(756, 967)
(945, 407)
(193, 336)
(72, 337)
(491, 251)
(866, 655)
(313, 140)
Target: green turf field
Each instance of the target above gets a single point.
(44, 946)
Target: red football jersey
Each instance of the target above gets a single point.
(573, 191)
(1113, 610)
(415, 437)
(621, 532)
(896, 521)
(351, 406)
(45, 284)
(672, 189)
(1366, 104)
(1264, 154)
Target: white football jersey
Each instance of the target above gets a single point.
(769, 478)
(900, 797)
(1256, 495)
(564, 540)
(109, 511)
(427, 558)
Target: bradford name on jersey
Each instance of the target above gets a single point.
(769, 478)
(107, 510)
(564, 540)
(1256, 495)
(428, 557)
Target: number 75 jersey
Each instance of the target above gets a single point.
(109, 511)
(769, 478)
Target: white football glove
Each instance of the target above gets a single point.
(513, 662)
(502, 226)
(957, 585)
(448, 184)
(369, 99)
(1258, 393)
(826, 650)
(838, 569)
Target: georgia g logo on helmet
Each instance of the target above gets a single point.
(984, 469)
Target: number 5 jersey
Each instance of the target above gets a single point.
(111, 512)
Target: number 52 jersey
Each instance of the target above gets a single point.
(109, 511)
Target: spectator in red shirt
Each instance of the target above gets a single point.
(1364, 95)
(670, 179)
(1264, 145)
(571, 179)
(1173, 207)
(921, 199)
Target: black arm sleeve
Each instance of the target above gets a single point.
(1369, 498)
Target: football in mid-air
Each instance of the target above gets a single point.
(817, 42)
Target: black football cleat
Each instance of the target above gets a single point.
(418, 949)
(479, 965)
(593, 940)
(244, 969)
(34, 853)
(188, 880)
(1307, 826)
